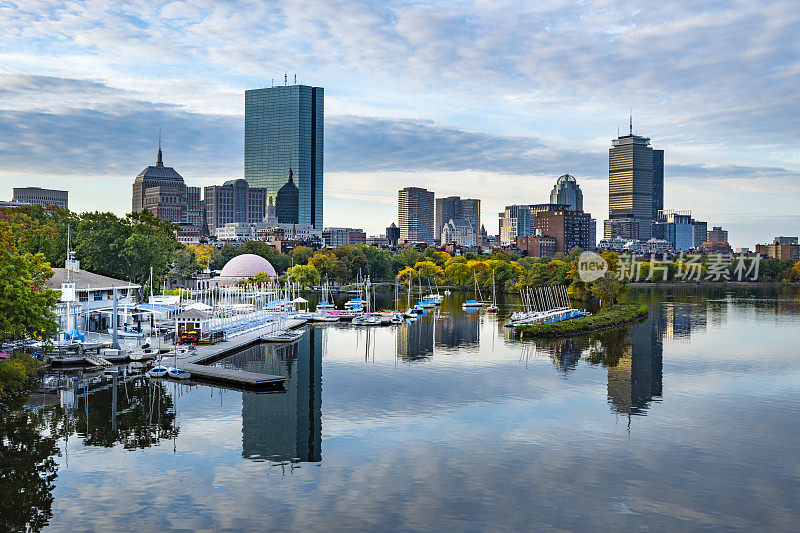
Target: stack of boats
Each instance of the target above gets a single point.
(545, 305)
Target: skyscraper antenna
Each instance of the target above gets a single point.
(295, 79)
(285, 79)
(159, 138)
(631, 121)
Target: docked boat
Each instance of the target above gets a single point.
(178, 373)
(324, 317)
(158, 371)
(493, 308)
(367, 320)
(472, 304)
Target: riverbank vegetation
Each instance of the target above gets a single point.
(612, 317)
(127, 247)
(16, 372)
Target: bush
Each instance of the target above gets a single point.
(15, 372)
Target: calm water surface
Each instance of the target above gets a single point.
(686, 421)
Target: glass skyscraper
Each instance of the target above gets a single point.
(283, 130)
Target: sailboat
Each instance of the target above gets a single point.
(471, 304)
(175, 372)
(493, 308)
(325, 302)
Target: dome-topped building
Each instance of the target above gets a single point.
(161, 191)
(567, 192)
(242, 267)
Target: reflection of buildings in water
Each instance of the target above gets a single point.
(286, 426)
(452, 331)
(565, 354)
(717, 314)
(679, 320)
(636, 379)
(415, 341)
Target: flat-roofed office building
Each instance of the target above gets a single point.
(42, 197)
(283, 130)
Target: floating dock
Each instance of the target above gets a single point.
(197, 360)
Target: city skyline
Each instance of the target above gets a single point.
(423, 113)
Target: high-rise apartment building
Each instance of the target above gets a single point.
(570, 229)
(234, 201)
(567, 192)
(675, 227)
(283, 129)
(518, 221)
(631, 177)
(717, 234)
(700, 232)
(161, 191)
(42, 197)
(415, 214)
(454, 208)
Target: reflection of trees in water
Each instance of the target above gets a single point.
(139, 415)
(608, 347)
(27, 469)
(565, 353)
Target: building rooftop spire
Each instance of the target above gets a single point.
(159, 161)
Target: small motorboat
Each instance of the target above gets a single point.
(447, 293)
(491, 309)
(471, 304)
(158, 371)
(178, 373)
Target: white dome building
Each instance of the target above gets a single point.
(242, 267)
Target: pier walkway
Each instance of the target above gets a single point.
(196, 361)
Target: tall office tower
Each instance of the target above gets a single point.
(194, 210)
(283, 129)
(471, 211)
(446, 209)
(454, 208)
(658, 182)
(161, 191)
(39, 196)
(415, 214)
(630, 181)
(566, 191)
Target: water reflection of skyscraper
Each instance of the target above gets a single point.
(454, 330)
(636, 379)
(415, 341)
(680, 319)
(287, 425)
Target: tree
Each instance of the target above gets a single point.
(262, 278)
(608, 289)
(428, 269)
(407, 257)
(327, 264)
(301, 255)
(304, 275)
(26, 302)
(457, 272)
(185, 264)
(379, 263)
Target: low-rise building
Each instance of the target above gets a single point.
(783, 252)
(42, 197)
(459, 231)
(537, 246)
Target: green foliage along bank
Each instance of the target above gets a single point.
(15, 373)
(618, 315)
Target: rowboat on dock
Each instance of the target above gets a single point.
(286, 336)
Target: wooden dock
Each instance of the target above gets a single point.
(197, 360)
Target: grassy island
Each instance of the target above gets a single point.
(16, 372)
(618, 315)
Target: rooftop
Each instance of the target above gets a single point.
(83, 280)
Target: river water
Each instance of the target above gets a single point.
(687, 421)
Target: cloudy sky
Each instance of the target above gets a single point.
(487, 99)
